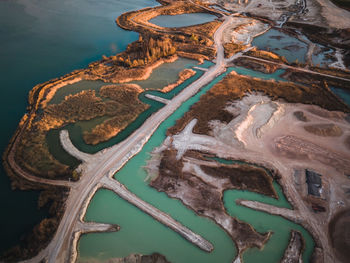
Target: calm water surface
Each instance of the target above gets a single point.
(282, 44)
(182, 20)
(139, 234)
(41, 40)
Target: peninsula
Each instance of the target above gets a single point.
(251, 127)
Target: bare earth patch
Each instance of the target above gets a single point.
(324, 130)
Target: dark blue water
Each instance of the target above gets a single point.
(41, 40)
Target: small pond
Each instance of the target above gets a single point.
(182, 20)
(282, 44)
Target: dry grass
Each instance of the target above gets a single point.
(244, 177)
(121, 103)
(266, 68)
(267, 55)
(127, 108)
(231, 48)
(233, 87)
(183, 76)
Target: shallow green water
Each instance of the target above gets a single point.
(40, 40)
(133, 176)
(76, 130)
(263, 223)
(256, 74)
(182, 20)
(107, 207)
(75, 88)
(165, 74)
(279, 226)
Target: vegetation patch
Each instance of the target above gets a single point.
(267, 55)
(211, 105)
(261, 66)
(244, 177)
(231, 48)
(121, 104)
(125, 107)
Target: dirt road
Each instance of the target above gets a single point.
(108, 161)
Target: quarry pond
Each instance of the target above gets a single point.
(136, 238)
(257, 83)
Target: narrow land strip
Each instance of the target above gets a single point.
(165, 219)
(156, 98)
(112, 159)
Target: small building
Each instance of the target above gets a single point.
(314, 183)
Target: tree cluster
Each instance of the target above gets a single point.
(146, 51)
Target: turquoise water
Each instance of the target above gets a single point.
(279, 226)
(343, 94)
(165, 74)
(257, 74)
(264, 222)
(182, 20)
(133, 176)
(41, 40)
(139, 234)
(76, 129)
(282, 44)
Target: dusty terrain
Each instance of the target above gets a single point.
(303, 12)
(268, 133)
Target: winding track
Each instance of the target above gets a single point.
(115, 157)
